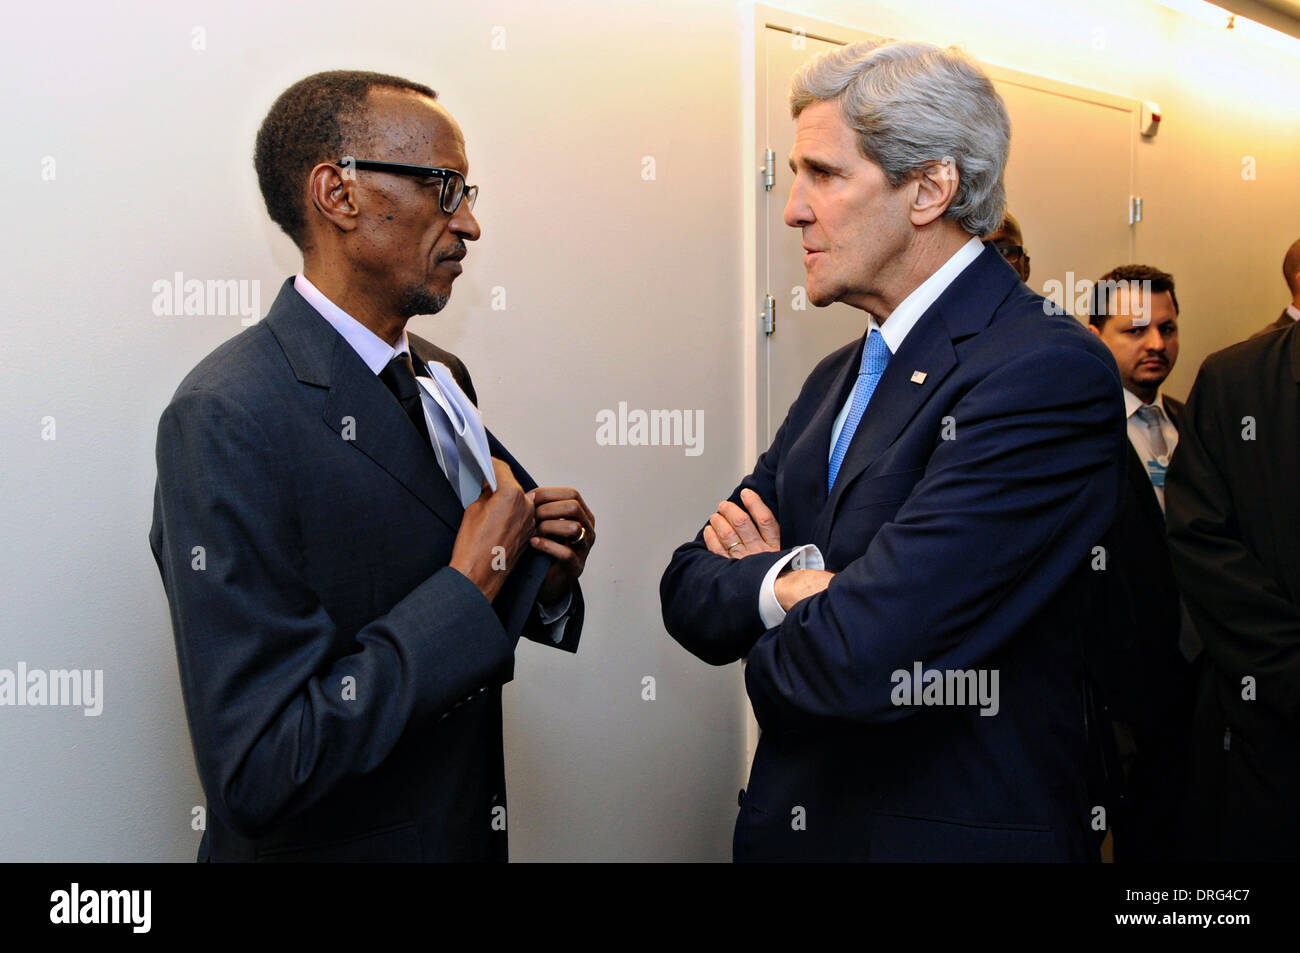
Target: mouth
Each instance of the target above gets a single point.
(453, 260)
(809, 254)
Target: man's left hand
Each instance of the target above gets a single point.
(566, 530)
(735, 533)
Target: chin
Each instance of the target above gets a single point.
(418, 299)
(820, 299)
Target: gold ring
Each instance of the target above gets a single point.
(580, 537)
(733, 545)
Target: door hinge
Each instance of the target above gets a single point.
(769, 170)
(769, 314)
(1134, 209)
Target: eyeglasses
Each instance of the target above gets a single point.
(453, 190)
(1011, 252)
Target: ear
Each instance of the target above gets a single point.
(1093, 329)
(332, 191)
(935, 186)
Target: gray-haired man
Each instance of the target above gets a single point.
(906, 566)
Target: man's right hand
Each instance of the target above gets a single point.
(495, 530)
(799, 584)
(734, 533)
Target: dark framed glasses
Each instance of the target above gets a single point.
(453, 183)
(1011, 253)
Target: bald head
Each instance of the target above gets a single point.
(1291, 270)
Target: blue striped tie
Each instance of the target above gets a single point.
(875, 358)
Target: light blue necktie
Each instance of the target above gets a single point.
(875, 358)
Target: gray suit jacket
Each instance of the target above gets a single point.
(342, 683)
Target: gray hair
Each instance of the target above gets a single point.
(913, 103)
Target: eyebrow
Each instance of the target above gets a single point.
(817, 165)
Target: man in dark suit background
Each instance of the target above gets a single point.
(1234, 535)
(1291, 272)
(929, 504)
(349, 556)
(1140, 655)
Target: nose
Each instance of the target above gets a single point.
(464, 224)
(1153, 340)
(797, 211)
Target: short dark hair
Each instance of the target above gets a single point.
(1099, 308)
(314, 120)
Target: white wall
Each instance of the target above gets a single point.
(618, 289)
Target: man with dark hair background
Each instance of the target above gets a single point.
(1139, 656)
(349, 555)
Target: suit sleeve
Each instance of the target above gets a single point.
(1007, 510)
(1245, 620)
(518, 598)
(278, 717)
(710, 602)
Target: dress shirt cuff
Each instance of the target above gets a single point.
(555, 617)
(804, 557)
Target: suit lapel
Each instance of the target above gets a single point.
(964, 308)
(897, 398)
(1144, 494)
(1173, 410)
(802, 480)
(359, 408)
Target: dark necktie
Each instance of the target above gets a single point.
(399, 377)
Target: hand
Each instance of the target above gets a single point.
(566, 530)
(799, 584)
(732, 533)
(495, 530)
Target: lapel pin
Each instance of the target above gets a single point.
(918, 377)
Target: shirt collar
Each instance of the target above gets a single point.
(370, 347)
(1293, 311)
(1132, 402)
(910, 309)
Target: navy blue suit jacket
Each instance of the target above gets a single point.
(960, 528)
(342, 683)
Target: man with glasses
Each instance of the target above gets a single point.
(1011, 245)
(349, 555)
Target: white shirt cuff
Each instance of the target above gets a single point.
(769, 609)
(556, 617)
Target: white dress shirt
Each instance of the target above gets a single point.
(894, 330)
(1140, 437)
(1293, 311)
(376, 353)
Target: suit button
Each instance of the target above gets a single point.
(740, 798)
